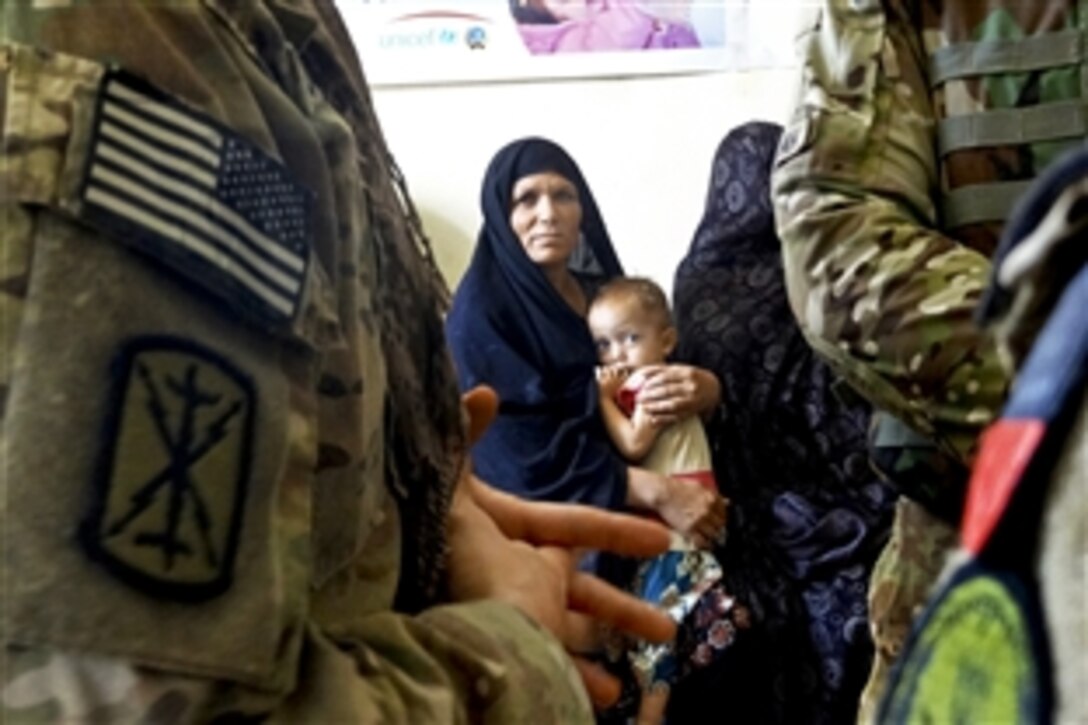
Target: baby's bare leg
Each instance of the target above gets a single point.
(651, 710)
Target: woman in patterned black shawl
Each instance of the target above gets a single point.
(808, 517)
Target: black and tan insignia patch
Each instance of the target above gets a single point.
(175, 466)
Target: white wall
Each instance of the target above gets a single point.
(645, 145)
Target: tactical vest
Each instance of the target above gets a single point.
(1008, 90)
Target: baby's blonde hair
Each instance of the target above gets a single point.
(644, 291)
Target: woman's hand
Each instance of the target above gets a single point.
(686, 506)
(675, 391)
(694, 511)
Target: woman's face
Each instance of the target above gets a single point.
(546, 216)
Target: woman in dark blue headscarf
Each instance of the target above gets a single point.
(808, 515)
(517, 324)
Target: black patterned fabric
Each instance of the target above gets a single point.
(807, 515)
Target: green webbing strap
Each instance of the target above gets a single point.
(1082, 27)
(1013, 126)
(977, 203)
(1006, 55)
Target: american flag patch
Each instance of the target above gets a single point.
(193, 195)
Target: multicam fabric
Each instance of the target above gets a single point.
(356, 416)
(877, 287)
(880, 287)
(807, 515)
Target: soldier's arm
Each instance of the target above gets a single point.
(878, 289)
(81, 644)
(453, 664)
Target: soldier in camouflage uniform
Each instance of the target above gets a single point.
(918, 125)
(1004, 638)
(1044, 274)
(214, 296)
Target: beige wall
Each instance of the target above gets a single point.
(645, 145)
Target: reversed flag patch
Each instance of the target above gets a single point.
(191, 194)
(172, 479)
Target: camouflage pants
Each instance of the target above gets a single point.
(901, 581)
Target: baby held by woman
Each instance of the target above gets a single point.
(632, 329)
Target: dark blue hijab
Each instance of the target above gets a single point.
(509, 328)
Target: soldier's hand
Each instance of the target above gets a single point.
(524, 553)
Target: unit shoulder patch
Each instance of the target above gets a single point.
(174, 469)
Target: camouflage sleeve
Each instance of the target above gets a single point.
(82, 644)
(878, 289)
(481, 662)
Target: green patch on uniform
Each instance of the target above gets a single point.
(175, 465)
(975, 657)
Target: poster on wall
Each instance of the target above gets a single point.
(405, 42)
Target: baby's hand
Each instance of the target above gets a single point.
(609, 379)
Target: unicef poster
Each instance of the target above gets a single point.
(406, 42)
